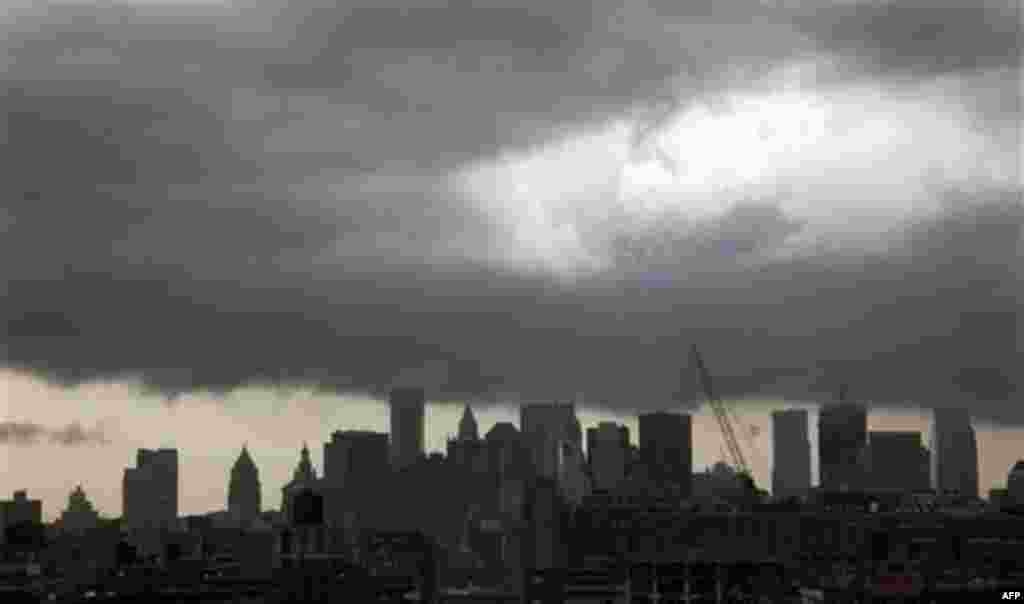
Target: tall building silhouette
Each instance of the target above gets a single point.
(1015, 483)
(898, 461)
(544, 428)
(21, 510)
(244, 489)
(467, 451)
(842, 446)
(468, 429)
(150, 490)
(79, 516)
(356, 465)
(954, 452)
(666, 448)
(303, 479)
(791, 447)
(608, 454)
(508, 454)
(354, 455)
(407, 407)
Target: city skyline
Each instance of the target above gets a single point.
(204, 489)
(260, 258)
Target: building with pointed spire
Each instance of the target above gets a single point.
(467, 451)
(468, 430)
(79, 516)
(303, 479)
(244, 489)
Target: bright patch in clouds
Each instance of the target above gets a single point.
(850, 163)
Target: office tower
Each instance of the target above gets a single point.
(509, 457)
(244, 489)
(468, 430)
(791, 444)
(608, 453)
(79, 516)
(842, 446)
(303, 479)
(150, 490)
(545, 516)
(666, 449)
(1015, 484)
(21, 510)
(898, 461)
(407, 409)
(544, 428)
(354, 456)
(554, 438)
(356, 470)
(954, 452)
(467, 451)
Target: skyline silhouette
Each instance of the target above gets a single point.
(261, 258)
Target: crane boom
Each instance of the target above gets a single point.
(721, 414)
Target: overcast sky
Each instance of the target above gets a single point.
(506, 201)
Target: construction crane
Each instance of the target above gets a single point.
(722, 416)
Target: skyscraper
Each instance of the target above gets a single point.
(954, 452)
(20, 510)
(468, 430)
(608, 454)
(354, 455)
(356, 469)
(1015, 483)
(467, 451)
(303, 479)
(544, 428)
(150, 490)
(407, 410)
(79, 516)
(842, 446)
(791, 444)
(244, 489)
(898, 461)
(666, 448)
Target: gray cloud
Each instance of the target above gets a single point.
(28, 433)
(920, 37)
(205, 201)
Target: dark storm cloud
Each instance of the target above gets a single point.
(205, 201)
(28, 433)
(920, 37)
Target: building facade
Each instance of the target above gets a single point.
(356, 466)
(898, 462)
(150, 490)
(303, 479)
(954, 452)
(842, 446)
(244, 489)
(791, 446)
(666, 449)
(19, 511)
(1015, 484)
(79, 516)
(407, 407)
(545, 428)
(608, 455)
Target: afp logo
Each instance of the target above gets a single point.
(1011, 595)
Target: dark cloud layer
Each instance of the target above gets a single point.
(28, 433)
(202, 204)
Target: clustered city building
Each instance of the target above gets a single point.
(548, 494)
